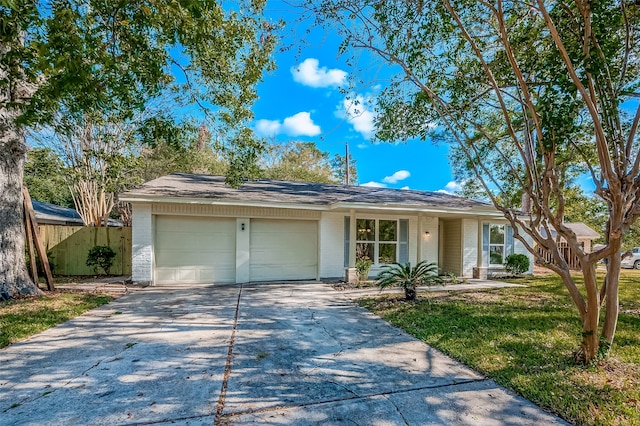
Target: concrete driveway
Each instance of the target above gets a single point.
(255, 354)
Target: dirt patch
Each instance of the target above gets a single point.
(342, 286)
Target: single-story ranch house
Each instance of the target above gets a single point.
(195, 229)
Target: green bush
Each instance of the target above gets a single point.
(101, 256)
(363, 266)
(516, 263)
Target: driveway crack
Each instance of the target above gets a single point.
(351, 398)
(32, 398)
(227, 368)
(397, 409)
(317, 321)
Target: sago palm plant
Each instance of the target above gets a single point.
(407, 277)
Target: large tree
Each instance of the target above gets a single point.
(530, 93)
(45, 174)
(84, 56)
(303, 161)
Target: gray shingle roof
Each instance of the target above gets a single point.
(182, 185)
(581, 230)
(52, 213)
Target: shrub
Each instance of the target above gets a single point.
(408, 278)
(363, 266)
(101, 256)
(516, 263)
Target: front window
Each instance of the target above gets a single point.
(377, 240)
(496, 244)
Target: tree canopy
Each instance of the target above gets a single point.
(78, 57)
(530, 95)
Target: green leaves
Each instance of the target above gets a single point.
(407, 277)
(115, 57)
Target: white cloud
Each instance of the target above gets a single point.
(405, 187)
(397, 176)
(357, 110)
(310, 74)
(267, 127)
(299, 124)
(451, 188)
(373, 184)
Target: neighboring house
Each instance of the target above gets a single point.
(195, 229)
(585, 236)
(52, 214)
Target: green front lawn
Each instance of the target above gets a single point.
(22, 318)
(524, 338)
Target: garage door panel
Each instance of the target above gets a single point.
(194, 250)
(283, 250)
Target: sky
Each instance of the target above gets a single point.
(302, 100)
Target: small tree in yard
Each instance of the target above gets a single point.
(363, 266)
(101, 256)
(407, 277)
(531, 95)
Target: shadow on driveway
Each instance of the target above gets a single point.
(301, 354)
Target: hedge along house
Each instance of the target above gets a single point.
(195, 229)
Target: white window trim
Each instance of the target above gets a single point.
(503, 245)
(377, 242)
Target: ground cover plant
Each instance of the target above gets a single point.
(524, 339)
(24, 317)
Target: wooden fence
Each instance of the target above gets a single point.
(565, 251)
(68, 247)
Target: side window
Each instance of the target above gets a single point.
(496, 244)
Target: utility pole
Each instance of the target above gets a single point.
(346, 158)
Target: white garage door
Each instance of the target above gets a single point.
(283, 250)
(192, 250)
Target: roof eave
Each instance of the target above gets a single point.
(475, 211)
(220, 202)
(471, 211)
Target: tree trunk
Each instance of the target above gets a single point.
(14, 278)
(590, 335)
(611, 298)
(410, 293)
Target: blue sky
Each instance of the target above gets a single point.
(301, 100)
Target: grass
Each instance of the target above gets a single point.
(524, 339)
(25, 317)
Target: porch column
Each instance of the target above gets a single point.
(350, 273)
(479, 262)
(419, 237)
(352, 239)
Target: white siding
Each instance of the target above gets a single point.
(142, 244)
(519, 248)
(233, 211)
(332, 245)
(429, 249)
(452, 247)
(243, 249)
(469, 246)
